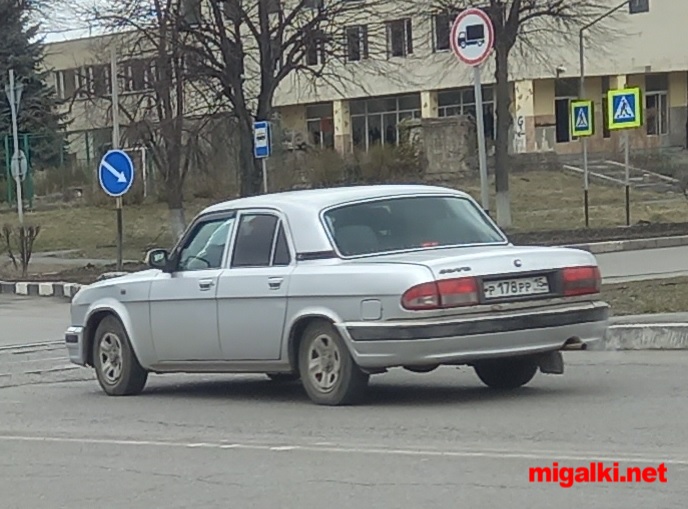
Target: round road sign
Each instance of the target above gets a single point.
(472, 36)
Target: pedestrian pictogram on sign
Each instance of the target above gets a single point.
(582, 118)
(625, 108)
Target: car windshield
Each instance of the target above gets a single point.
(409, 223)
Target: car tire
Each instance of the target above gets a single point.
(506, 374)
(117, 368)
(335, 378)
(283, 377)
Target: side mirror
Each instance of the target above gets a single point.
(157, 258)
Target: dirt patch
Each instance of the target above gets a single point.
(589, 235)
(641, 297)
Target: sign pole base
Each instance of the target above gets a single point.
(586, 183)
(627, 151)
(265, 175)
(119, 233)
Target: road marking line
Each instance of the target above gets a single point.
(25, 346)
(487, 454)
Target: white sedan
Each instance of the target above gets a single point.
(331, 286)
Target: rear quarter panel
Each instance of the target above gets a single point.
(336, 290)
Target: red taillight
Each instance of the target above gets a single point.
(447, 293)
(581, 280)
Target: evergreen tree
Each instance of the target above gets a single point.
(22, 50)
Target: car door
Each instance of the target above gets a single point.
(252, 293)
(183, 306)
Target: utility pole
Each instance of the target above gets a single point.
(115, 145)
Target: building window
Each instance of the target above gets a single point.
(65, 83)
(315, 49)
(461, 101)
(638, 6)
(657, 104)
(319, 121)
(656, 113)
(441, 26)
(356, 43)
(94, 80)
(565, 90)
(375, 121)
(400, 38)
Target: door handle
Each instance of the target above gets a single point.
(206, 284)
(275, 282)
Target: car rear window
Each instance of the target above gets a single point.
(403, 223)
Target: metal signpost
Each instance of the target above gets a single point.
(262, 147)
(19, 163)
(625, 111)
(116, 169)
(582, 126)
(472, 40)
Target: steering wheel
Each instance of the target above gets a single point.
(199, 258)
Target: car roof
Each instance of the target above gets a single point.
(302, 207)
(328, 197)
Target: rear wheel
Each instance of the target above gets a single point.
(117, 368)
(505, 374)
(328, 372)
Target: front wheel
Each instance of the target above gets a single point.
(117, 368)
(328, 372)
(507, 373)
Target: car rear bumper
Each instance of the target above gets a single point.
(76, 348)
(466, 339)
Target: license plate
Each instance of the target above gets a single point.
(516, 287)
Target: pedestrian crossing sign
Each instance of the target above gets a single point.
(582, 118)
(625, 108)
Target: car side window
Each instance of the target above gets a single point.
(281, 256)
(206, 246)
(253, 244)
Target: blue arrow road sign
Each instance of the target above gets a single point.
(116, 173)
(261, 140)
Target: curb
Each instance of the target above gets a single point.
(614, 246)
(646, 336)
(42, 289)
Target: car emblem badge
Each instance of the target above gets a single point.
(517, 263)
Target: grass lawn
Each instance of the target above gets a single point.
(640, 297)
(541, 200)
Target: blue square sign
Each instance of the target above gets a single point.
(262, 144)
(625, 108)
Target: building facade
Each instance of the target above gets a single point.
(420, 78)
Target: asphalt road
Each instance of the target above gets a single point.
(643, 264)
(31, 319)
(423, 441)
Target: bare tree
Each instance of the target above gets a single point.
(163, 103)
(252, 49)
(535, 29)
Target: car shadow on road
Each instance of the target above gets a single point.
(380, 393)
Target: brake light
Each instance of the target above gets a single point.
(581, 281)
(447, 293)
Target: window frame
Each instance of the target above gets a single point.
(661, 118)
(479, 210)
(407, 24)
(191, 232)
(360, 34)
(281, 221)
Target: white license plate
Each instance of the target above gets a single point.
(516, 287)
